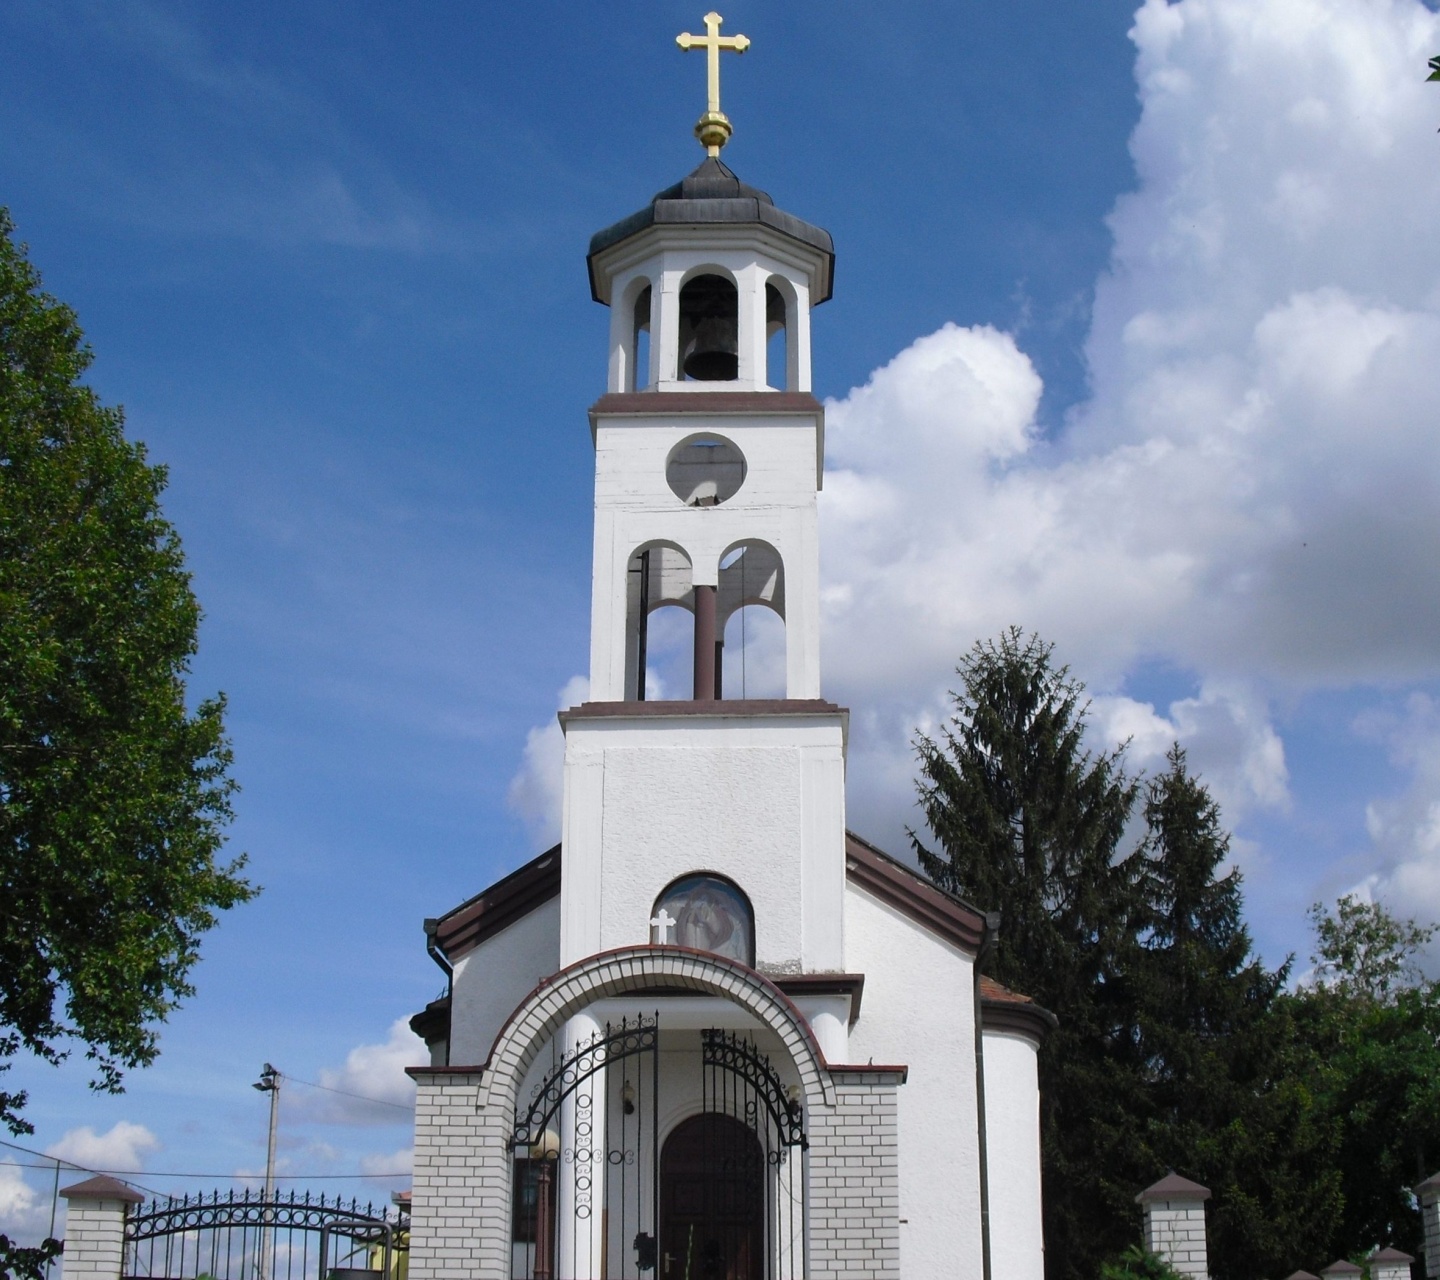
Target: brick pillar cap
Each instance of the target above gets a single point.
(1173, 1187)
(1340, 1267)
(1390, 1255)
(102, 1187)
(1432, 1183)
(1302, 1275)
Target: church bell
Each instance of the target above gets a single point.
(709, 346)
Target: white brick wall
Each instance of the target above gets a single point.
(1175, 1229)
(855, 1180)
(94, 1239)
(460, 1215)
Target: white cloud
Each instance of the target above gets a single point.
(373, 1087)
(398, 1163)
(23, 1216)
(1249, 493)
(538, 786)
(120, 1148)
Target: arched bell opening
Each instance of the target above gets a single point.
(779, 338)
(751, 608)
(640, 341)
(658, 627)
(709, 349)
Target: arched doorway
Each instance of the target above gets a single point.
(712, 1201)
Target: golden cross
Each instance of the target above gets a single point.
(714, 128)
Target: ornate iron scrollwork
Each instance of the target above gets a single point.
(737, 1055)
(610, 1045)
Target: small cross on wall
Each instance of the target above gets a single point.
(660, 928)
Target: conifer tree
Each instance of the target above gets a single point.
(1028, 822)
(1224, 1088)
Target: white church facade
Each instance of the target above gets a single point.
(712, 1035)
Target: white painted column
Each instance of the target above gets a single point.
(95, 1228)
(1428, 1193)
(1390, 1264)
(580, 1195)
(750, 327)
(1174, 1210)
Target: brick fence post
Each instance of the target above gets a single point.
(1174, 1210)
(1390, 1264)
(1340, 1269)
(95, 1227)
(1428, 1193)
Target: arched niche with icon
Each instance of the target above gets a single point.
(706, 912)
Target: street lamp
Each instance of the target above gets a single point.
(269, 1082)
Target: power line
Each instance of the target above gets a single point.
(51, 1162)
(364, 1097)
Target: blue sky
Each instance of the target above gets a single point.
(1134, 341)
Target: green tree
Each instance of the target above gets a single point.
(1029, 822)
(113, 795)
(1372, 1024)
(1225, 1098)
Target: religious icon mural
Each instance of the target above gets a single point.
(708, 914)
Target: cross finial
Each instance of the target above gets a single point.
(714, 129)
(661, 926)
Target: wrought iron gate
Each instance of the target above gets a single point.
(240, 1236)
(739, 1081)
(585, 1205)
(588, 1200)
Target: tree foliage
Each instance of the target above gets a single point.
(1371, 1023)
(113, 795)
(1166, 1055)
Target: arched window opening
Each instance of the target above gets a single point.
(709, 330)
(640, 342)
(705, 470)
(754, 654)
(706, 913)
(659, 633)
(777, 340)
(751, 607)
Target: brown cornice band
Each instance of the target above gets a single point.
(632, 404)
(737, 707)
(825, 984)
(1023, 1017)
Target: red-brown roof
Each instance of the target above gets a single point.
(102, 1187)
(464, 928)
(1173, 1187)
(896, 885)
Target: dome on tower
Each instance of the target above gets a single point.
(713, 195)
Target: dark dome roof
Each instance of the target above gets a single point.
(712, 194)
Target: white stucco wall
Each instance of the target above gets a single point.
(491, 980)
(758, 799)
(1012, 1111)
(918, 1011)
(634, 505)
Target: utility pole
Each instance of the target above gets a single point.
(269, 1082)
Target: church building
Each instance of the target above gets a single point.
(712, 1034)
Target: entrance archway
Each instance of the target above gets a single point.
(712, 1201)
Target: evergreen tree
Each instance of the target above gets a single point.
(1225, 1103)
(1029, 822)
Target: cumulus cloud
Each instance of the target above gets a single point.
(1247, 495)
(23, 1217)
(538, 786)
(121, 1148)
(397, 1167)
(372, 1087)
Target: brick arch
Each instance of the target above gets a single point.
(613, 973)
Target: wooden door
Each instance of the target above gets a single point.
(712, 1202)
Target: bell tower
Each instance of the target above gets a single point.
(709, 452)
